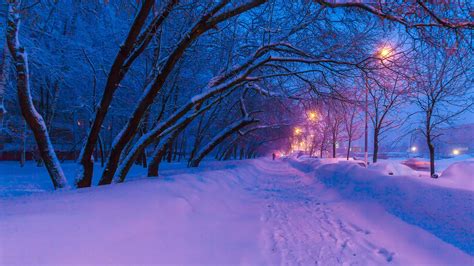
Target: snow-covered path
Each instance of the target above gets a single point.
(304, 230)
(308, 224)
(257, 212)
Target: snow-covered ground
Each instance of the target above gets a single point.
(254, 212)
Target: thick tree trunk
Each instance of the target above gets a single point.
(219, 138)
(32, 117)
(431, 149)
(153, 169)
(117, 72)
(376, 146)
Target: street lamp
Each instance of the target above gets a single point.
(383, 53)
(366, 142)
(312, 116)
(298, 131)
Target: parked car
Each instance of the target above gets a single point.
(417, 164)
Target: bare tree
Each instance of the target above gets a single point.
(205, 23)
(387, 92)
(335, 121)
(443, 85)
(32, 117)
(352, 123)
(134, 45)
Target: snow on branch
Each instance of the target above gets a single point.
(401, 17)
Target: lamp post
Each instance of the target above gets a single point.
(383, 53)
(366, 142)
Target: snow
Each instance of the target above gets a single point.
(459, 175)
(393, 168)
(254, 212)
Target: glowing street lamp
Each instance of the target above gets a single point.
(456, 152)
(298, 131)
(312, 116)
(385, 52)
(413, 149)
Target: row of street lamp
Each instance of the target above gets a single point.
(383, 53)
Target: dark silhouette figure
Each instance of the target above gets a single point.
(273, 156)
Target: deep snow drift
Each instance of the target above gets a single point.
(256, 212)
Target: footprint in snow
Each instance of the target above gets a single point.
(387, 254)
(359, 230)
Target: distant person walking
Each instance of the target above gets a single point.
(273, 156)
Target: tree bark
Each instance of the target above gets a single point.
(431, 149)
(376, 145)
(31, 115)
(349, 148)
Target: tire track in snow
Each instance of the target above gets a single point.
(299, 229)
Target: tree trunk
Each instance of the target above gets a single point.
(219, 138)
(160, 150)
(169, 155)
(32, 117)
(376, 146)
(159, 153)
(116, 74)
(431, 149)
(23, 146)
(349, 148)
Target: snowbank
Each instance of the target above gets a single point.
(181, 218)
(443, 164)
(445, 212)
(254, 212)
(393, 168)
(459, 175)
